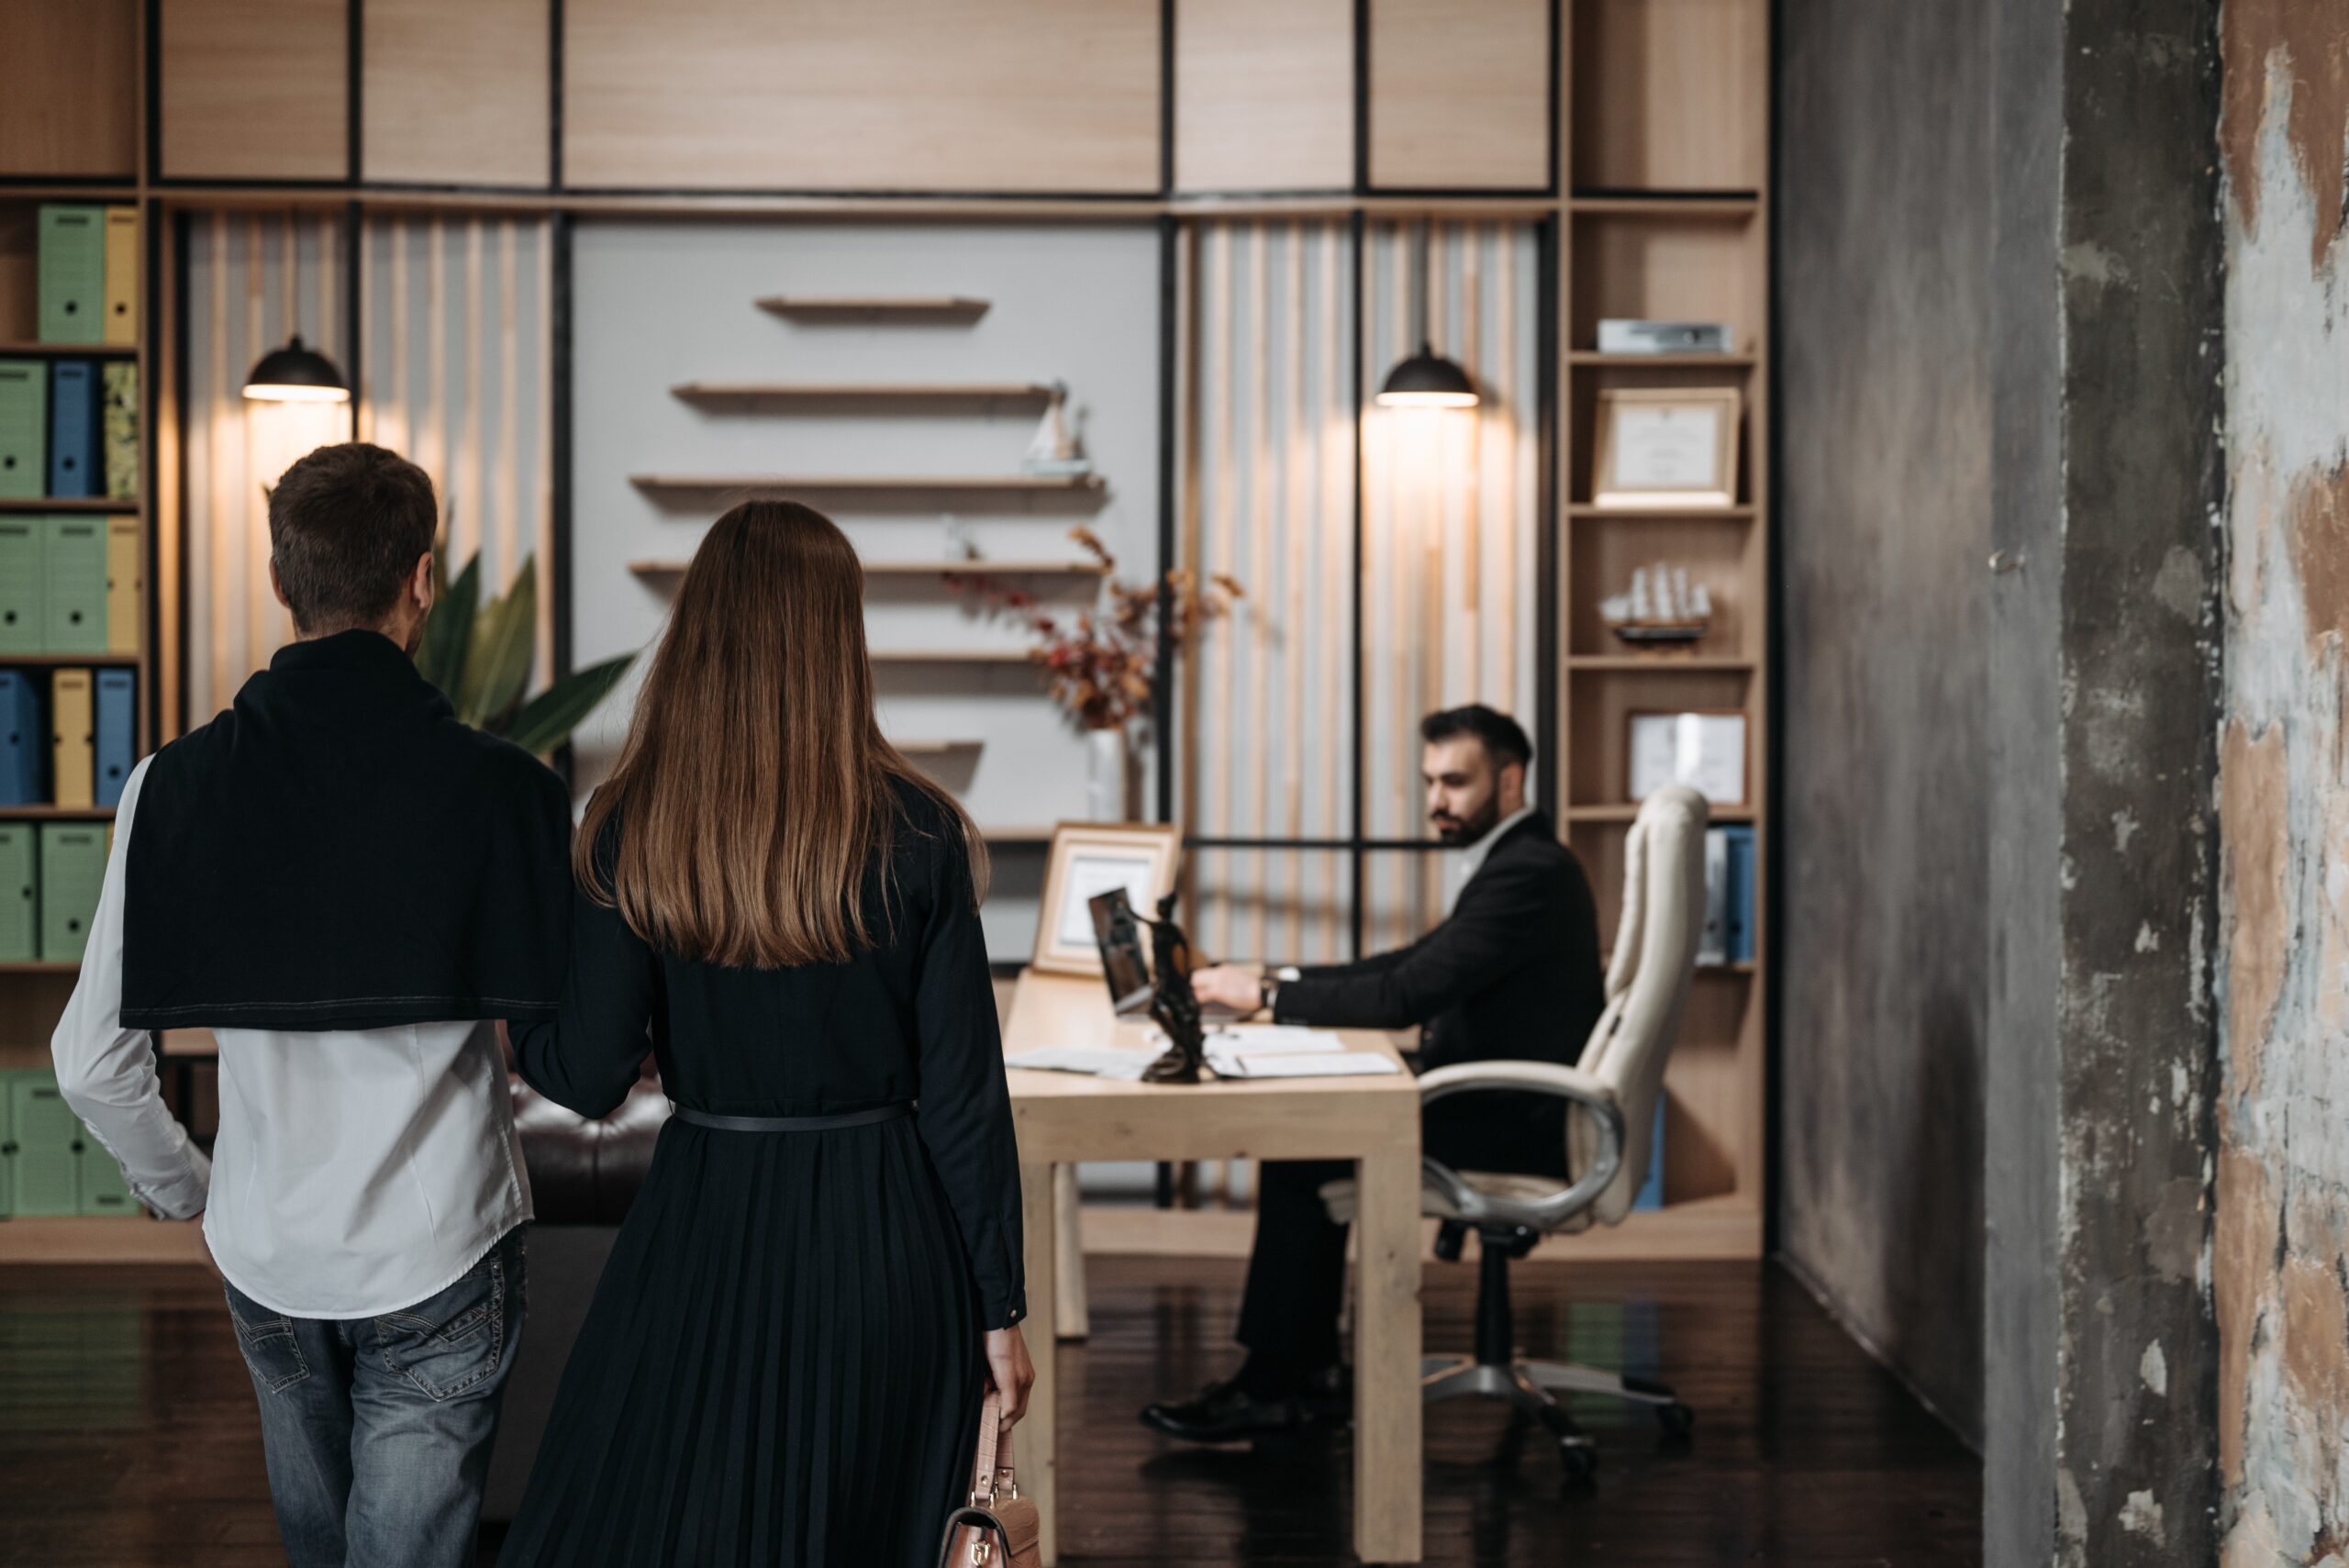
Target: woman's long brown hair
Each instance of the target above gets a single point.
(754, 791)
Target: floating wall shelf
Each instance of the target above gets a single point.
(1663, 361)
(56, 813)
(875, 308)
(1662, 663)
(1586, 509)
(1627, 812)
(936, 747)
(949, 656)
(69, 350)
(660, 570)
(72, 661)
(903, 396)
(125, 504)
(1006, 484)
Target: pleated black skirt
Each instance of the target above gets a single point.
(782, 1364)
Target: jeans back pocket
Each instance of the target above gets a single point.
(271, 1353)
(452, 1341)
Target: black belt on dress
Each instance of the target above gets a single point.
(865, 1117)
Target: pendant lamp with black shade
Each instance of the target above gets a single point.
(1426, 380)
(296, 373)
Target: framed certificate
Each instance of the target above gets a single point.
(1093, 857)
(1704, 749)
(1666, 446)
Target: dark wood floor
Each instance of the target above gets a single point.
(127, 1435)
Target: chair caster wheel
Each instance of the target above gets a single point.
(1579, 1459)
(1676, 1419)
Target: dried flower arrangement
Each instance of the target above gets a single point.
(1101, 663)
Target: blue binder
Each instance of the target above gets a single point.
(74, 428)
(1651, 1193)
(20, 740)
(1740, 843)
(118, 706)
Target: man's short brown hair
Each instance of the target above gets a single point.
(346, 525)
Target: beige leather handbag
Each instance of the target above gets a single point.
(996, 1528)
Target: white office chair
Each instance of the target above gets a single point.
(1614, 1087)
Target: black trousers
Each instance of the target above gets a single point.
(1297, 1273)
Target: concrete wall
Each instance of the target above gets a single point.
(1885, 183)
(2283, 1113)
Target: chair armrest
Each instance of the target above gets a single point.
(1579, 1089)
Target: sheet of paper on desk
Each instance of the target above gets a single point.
(1092, 1061)
(1301, 1063)
(1273, 1036)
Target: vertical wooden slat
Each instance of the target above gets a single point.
(1504, 433)
(1224, 632)
(1332, 434)
(1402, 663)
(508, 482)
(330, 317)
(252, 569)
(1432, 642)
(1192, 553)
(166, 509)
(544, 395)
(289, 300)
(1296, 529)
(1256, 752)
(432, 426)
(1472, 530)
(226, 437)
(469, 448)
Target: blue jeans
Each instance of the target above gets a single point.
(378, 1430)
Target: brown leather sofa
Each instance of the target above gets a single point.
(583, 1175)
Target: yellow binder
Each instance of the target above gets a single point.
(71, 729)
(122, 585)
(122, 274)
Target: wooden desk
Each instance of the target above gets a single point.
(1062, 1117)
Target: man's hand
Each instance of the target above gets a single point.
(1239, 986)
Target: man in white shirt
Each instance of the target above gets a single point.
(314, 876)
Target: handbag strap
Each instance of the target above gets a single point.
(991, 1468)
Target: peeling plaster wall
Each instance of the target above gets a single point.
(2283, 1111)
(1886, 174)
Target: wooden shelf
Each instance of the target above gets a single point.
(1663, 361)
(935, 748)
(42, 967)
(56, 813)
(68, 661)
(657, 570)
(1729, 206)
(876, 307)
(1628, 810)
(1016, 835)
(939, 394)
(1676, 514)
(1659, 663)
(22, 350)
(123, 505)
(910, 485)
(102, 1239)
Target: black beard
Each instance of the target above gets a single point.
(1455, 834)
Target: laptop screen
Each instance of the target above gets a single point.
(1117, 934)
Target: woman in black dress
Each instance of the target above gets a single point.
(784, 1359)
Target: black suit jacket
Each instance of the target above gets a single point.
(1512, 975)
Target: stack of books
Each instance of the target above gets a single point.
(69, 427)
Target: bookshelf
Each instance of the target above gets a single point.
(1663, 132)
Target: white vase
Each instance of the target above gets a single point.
(1105, 775)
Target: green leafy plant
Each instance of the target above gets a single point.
(479, 655)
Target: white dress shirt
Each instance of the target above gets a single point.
(1472, 859)
(357, 1172)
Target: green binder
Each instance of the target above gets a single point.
(73, 868)
(102, 1188)
(47, 1178)
(24, 429)
(7, 1147)
(19, 894)
(72, 274)
(74, 567)
(122, 430)
(22, 588)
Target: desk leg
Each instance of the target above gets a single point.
(1037, 1442)
(1386, 1361)
(1068, 1234)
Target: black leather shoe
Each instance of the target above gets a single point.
(1221, 1413)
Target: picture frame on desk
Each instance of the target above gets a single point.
(1670, 447)
(1705, 749)
(1093, 857)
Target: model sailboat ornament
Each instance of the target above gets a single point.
(1055, 450)
(1664, 609)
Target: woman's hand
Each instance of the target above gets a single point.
(1009, 1371)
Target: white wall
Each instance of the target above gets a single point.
(660, 303)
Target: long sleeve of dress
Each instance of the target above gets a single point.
(965, 1115)
(587, 1059)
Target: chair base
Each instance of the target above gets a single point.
(1532, 1388)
